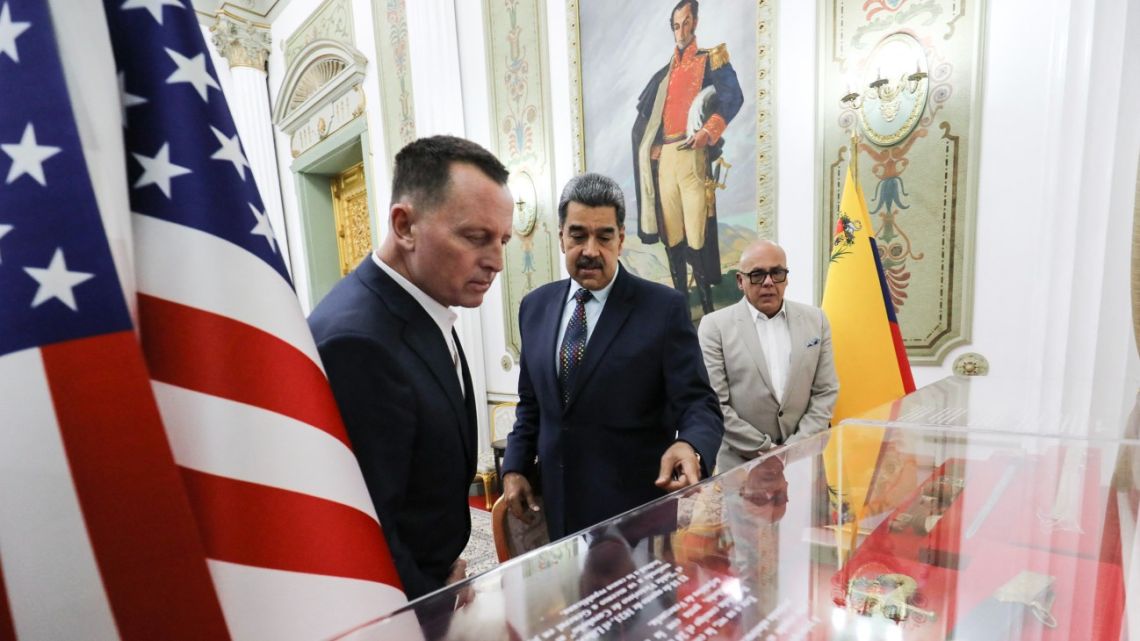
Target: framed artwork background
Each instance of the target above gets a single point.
(615, 48)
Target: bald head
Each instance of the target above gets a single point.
(761, 247)
(765, 261)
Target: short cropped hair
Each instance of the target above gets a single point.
(423, 169)
(694, 8)
(592, 190)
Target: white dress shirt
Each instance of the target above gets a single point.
(776, 341)
(594, 308)
(442, 315)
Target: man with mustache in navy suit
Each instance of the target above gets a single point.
(613, 395)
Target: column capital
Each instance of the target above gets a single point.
(242, 43)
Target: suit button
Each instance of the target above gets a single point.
(780, 414)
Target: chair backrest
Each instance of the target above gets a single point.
(513, 536)
(502, 420)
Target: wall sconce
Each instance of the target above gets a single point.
(891, 106)
(526, 202)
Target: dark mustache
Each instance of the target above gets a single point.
(589, 263)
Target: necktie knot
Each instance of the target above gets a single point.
(583, 295)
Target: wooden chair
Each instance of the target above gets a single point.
(514, 536)
(502, 422)
(487, 473)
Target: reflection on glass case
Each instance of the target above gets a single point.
(879, 529)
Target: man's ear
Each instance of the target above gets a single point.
(401, 219)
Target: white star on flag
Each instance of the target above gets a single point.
(56, 281)
(9, 31)
(158, 170)
(127, 99)
(230, 151)
(4, 229)
(262, 228)
(153, 6)
(28, 157)
(193, 71)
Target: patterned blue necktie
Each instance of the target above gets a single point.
(573, 344)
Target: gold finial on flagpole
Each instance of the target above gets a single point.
(852, 102)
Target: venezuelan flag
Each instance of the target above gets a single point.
(870, 359)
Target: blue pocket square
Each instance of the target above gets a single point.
(813, 342)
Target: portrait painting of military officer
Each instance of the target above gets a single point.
(671, 114)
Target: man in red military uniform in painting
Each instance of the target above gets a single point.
(681, 116)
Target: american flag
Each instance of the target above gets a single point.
(248, 518)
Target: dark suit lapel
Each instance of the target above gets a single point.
(546, 337)
(616, 311)
(469, 402)
(422, 335)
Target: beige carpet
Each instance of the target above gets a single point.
(480, 550)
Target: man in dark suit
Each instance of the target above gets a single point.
(394, 362)
(613, 394)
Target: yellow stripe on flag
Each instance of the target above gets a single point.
(865, 359)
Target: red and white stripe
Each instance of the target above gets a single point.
(293, 542)
(97, 540)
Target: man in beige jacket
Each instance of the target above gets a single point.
(769, 361)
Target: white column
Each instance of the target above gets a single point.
(433, 46)
(245, 46)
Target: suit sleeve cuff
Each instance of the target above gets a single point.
(715, 126)
(706, 471)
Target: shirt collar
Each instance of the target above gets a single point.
(757, 315)
(441, 314)
(599, 295)
(690, 50)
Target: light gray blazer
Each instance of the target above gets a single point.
(754, 421)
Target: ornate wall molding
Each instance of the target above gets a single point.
(331, 21)
(765, 127)
(519, 78)
(397, 103)
(909, 75)
(240, 42)
(320, 93)
(971, 364)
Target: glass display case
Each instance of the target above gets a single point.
(875, 530)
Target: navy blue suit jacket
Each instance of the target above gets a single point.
(641, 386)
(410, 426)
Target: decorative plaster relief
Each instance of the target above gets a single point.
(908, 74)
(398, 107)
(331, 21)
(320, 94)
(516, 42)
(241, 43)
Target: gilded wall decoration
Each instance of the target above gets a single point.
(624, 127)
(905, 75)
(516, 46)
(331, 21)
(398, 106)
(350, 217)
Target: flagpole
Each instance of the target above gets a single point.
(854, 163)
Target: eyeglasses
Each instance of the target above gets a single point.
(757, 276)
